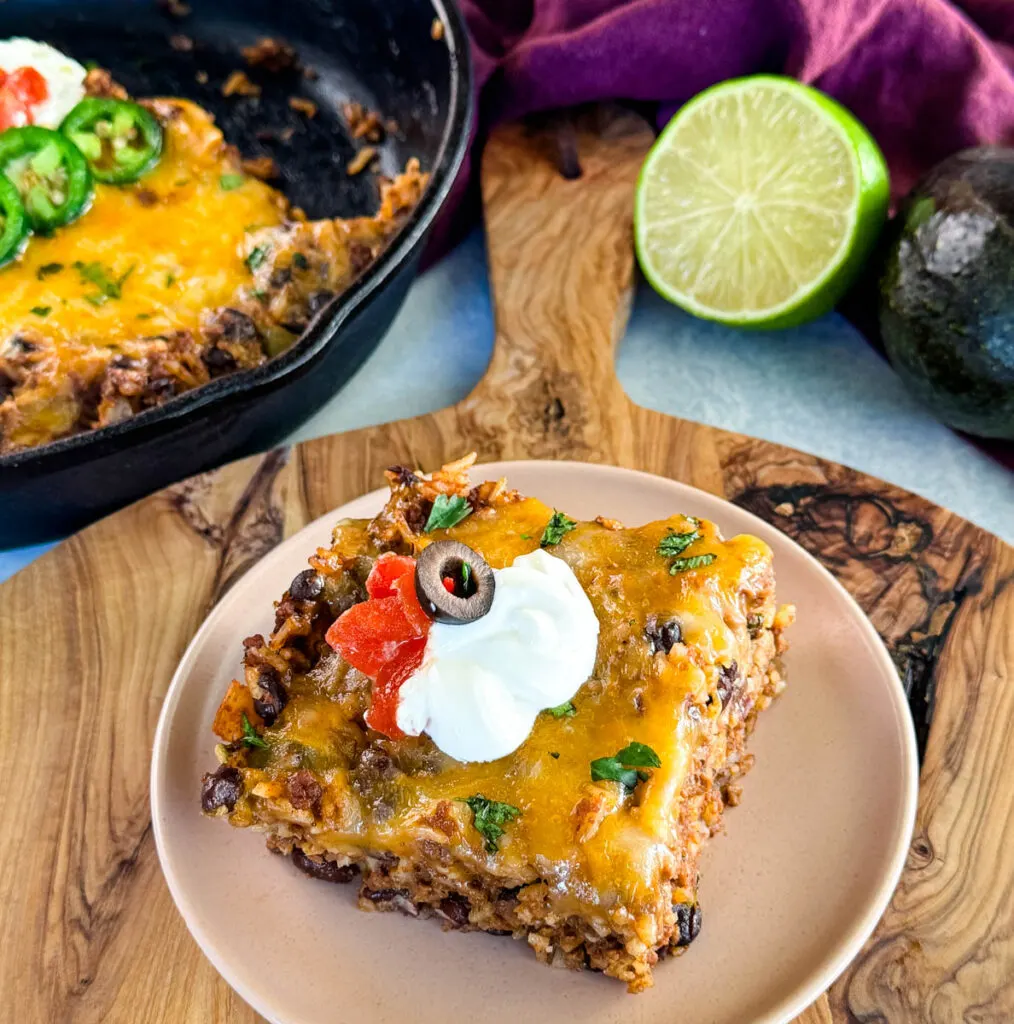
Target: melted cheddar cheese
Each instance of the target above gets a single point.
(174, 238)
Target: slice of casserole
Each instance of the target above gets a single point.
(584, 838)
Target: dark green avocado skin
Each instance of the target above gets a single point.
(947, 293)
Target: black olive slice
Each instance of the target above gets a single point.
(471, 578)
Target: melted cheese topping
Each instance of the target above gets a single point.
(174, 237)
(595, 847)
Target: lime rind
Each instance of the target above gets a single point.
(866, 215)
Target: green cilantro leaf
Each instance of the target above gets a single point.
(466, 576)
(170, 280)
(693, 562)
(42, 310)
(109, 287)
(563, 710)
(300, 261)
(674, 543)
(608, 769)
(47, 269)
(230, 181)
(250, 737)
(489, 817)
(447, 512)
(558, 525)
(257, 256)
(526, 536)
(623, 767)
(638, 755)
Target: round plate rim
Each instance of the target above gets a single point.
(792, 1005)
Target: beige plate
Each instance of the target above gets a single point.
(789, 894)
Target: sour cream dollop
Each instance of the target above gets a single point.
(481, 685)
(63, 76)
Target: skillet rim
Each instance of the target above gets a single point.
(326, 328)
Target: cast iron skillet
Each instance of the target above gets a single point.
(378, 52)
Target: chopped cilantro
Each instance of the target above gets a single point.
(250, 737)
(47, 269)
(447, 512)
(566, 710)
(558, 525)
(674, 543)
(300, 261)
(256, 257)
(693, 562)
(109, 287)
(526, 536)
(625, 766)
(259, 293)
(42, 310)
(144, 316)
(230, 181)
(466, 576)
(489, 817)
(170, 280)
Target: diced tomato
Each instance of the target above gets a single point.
(21, 90)
(28, 85)
(405, 589)
(387, 569)
(383, 711)
(368, 635)
(3, 77)
(13, 113)
(448, 584)
(384, 637)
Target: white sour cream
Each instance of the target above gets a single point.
(481, 685)
(64, 77)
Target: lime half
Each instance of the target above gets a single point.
(759, 203)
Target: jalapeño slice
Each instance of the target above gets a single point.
(13, 222)
(120, 140)
(50, 174)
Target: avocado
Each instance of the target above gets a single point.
(947, 292)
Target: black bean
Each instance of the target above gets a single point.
(325, 870)
(455, 908)
(221, 788)
(728, 678)
(404, 475)
(688, 919)
(385, 895)
(234, 325)
(160, 387)
(219, 359)
(273, 697)
(307, 586)
(662, 635)
(316, 301)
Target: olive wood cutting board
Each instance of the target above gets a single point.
(91, 632)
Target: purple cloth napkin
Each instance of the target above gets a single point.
(927, 77)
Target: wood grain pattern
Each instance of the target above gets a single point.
(92, 631)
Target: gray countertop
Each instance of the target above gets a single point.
(820, 388)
